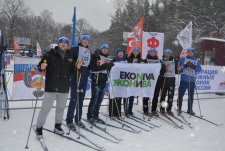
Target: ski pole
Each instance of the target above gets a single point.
(189, 92)
(38, 94)
(78, 101)
(199, 106)
(162, 90)
(110, 82)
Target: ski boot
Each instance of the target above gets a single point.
(58, 129)
(98, 120)
(39, 133)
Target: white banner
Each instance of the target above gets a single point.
(25, 78)
(39, 52)
(211, 79)
(133, 80)
(185, 37)
(152, 40)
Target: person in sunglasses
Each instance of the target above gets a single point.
(58, 64)
(82, 57)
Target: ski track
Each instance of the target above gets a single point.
(204, 136)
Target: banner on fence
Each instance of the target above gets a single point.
(211, 79)
(133, 80)
(26, 76)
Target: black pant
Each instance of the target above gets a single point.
(97, 96)
(169, 88)
(145, 104)
(128, 105)
(164, 84)
(115, 107)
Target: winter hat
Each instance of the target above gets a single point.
(104, 46)
(191, 50)
(119, 49)
(63, 40)
(152, 50)
(136, 49)
(167, 51)
(85, 37)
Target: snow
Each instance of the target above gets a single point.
(213, 39)
(204, 136)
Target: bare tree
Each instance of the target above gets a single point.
(12, 9)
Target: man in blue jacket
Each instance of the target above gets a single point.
(188, 66)
(82, 57)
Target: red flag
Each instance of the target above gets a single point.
(136, 40)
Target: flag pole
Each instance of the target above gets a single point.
(74, 28)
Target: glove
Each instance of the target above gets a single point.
(110, 65)
(190, 65)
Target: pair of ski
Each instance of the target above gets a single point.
(127, 124)
(103, 130)
(41, 140)
(204, 119)
(172, 121)
(166, 119)
(45, 148)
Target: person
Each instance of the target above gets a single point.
(188, 67)
(100, 66)
(30, 54)
(79, 82)
(150, 59)
(59, 65)
(135, 57)
(168, 78)
(115, 104)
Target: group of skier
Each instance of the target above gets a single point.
(65, 70)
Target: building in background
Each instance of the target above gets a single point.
(212, 51)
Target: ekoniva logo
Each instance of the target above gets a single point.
(222, 85)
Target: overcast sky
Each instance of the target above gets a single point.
(97, 12)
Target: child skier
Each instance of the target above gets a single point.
(115, 104)
(150, 58)
(59, 65)
(79, 82)
(188, 66)
(100, 66)
(135, 57)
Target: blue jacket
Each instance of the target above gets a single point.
(189, 74)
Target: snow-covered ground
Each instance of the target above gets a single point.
(204, 136)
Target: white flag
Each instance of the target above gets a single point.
(185, 37)
(39, 52)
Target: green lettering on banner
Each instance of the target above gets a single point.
(139, 76)
(132, 83)
(126, 83)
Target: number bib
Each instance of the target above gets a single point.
(170, 72)
(85, 56)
